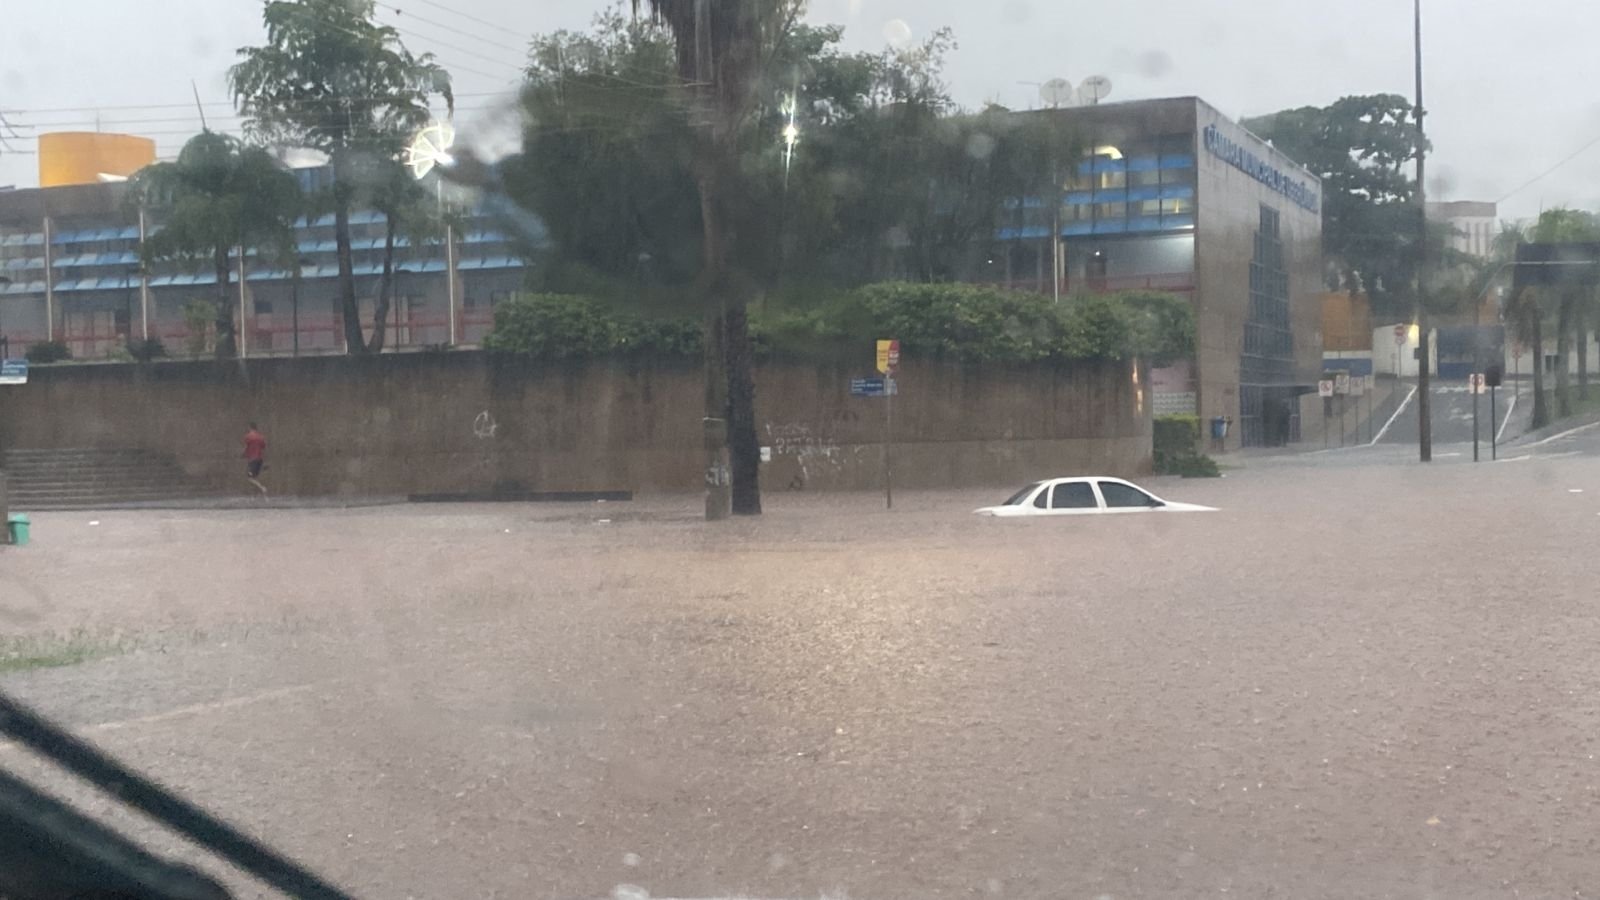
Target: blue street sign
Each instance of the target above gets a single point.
(14, 371)
(873, 387)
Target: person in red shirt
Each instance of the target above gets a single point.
(255, 456)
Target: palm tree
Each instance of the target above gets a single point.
(330, 79)
(1572, 295)
(218, 195)
(722, 49)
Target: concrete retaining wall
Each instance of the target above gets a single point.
(465, 421)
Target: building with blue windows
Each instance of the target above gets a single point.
(70, 272)
(1171, 195)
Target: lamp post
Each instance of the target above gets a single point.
(5, 342)
(1424, 408)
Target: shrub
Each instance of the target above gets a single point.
(1176, 440)
(48, 352)
(1197, 465)
(146, 350)
(571, 326)
(1175, 437)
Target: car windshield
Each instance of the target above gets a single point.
(525, 449)
(1021, 497)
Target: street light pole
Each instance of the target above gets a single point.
(1424, 408)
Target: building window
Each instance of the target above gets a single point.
(1111, 210)
(1177, 207)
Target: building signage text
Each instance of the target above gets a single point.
(1301, 193)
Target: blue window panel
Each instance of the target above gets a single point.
(1144, 223)
(1031, 232)
(1177, 222)
(1114, 195)
(68, 285)
(1146, 192)
(1177, 191)
(1085, 168)
(1143, 163)
(68, 237)
(161, 281)
(1111, 226)
(22, 287)
(1077, 228)
(434, 265)
(1024, 203)
(1110, 165)
(1078, 198)
(1177, 161)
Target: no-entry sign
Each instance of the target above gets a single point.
(1400, 335)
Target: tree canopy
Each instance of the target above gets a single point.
(217, 195)
(331, 79)
(1361, 147)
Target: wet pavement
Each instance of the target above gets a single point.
(1356, 679)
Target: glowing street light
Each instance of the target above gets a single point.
(791, 136)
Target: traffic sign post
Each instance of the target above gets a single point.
(1341, 388)
(888, 364)
(1492, 377)
(1475, 385)
(1325, 391)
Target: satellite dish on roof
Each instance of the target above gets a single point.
(1094, 89)
(1056, 92)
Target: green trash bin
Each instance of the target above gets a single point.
(17, 524)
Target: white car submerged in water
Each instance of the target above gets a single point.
(1085, 496)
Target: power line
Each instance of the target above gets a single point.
(20, 111)
(1540, 177)
(469, 16)
(398, 13)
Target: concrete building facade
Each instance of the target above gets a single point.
(1173, 196)
(70, 271)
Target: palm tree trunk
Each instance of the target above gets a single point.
(1581, 334)
(227, 347)
(354, 342)
(380, 309)
(1541, 409)
(1563, 346)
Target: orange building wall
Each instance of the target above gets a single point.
(81, 157)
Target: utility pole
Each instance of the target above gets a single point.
(1424, 408)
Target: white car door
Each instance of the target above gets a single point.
(1074, 498)
(1121, 497)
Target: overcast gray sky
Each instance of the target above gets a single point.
(1509, 86)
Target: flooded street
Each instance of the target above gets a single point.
(1351, 677)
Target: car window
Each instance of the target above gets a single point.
(1074, 495)
(1043, 500)
(1123, 496)
(1019, 496)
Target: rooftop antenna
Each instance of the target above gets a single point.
(1056, 93)
(1094, 89)
(197, 105)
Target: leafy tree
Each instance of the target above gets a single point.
(329, 78)
(1361, 148)
(218, 195)
(1570, 293)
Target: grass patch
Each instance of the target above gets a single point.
(49, 651)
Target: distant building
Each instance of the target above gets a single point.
(90, 157)
(70, 272)
(1176, 197)
(1474, 224)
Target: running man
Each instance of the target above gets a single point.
(255, 456)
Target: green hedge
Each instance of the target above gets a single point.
(961, 321)
(1177, 443)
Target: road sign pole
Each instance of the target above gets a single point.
(888, 445)
(1494, 436)
(1371, 389)
(1473, 385)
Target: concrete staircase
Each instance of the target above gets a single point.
(93, 479)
